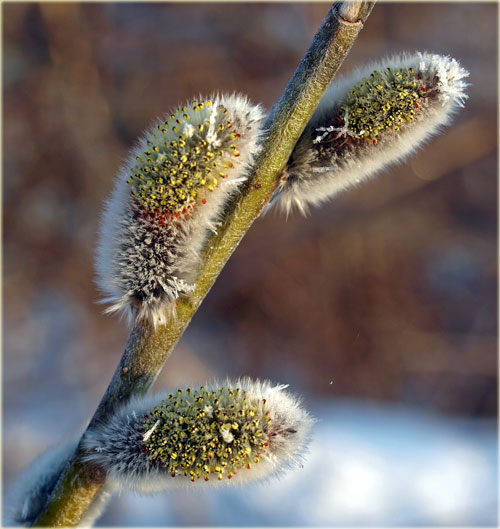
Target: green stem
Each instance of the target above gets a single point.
(148, 349)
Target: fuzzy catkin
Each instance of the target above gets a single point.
(34, 487)
(168, 196)
(237, 432)
(377, 116)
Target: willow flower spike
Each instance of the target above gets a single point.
(32, 490)
(380, 114)
(237, 432)
(168, 196)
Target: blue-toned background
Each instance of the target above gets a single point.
(379, 308)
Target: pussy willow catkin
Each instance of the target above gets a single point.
(236, 432)
(34, 487)
(168, 196)
(375, 117)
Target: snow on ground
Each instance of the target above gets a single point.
(369, 465)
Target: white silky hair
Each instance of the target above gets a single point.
(132, 257)
(117, 445)
(34, 487)
(310, 181)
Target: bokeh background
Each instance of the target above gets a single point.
(379, 308)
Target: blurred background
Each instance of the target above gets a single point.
(379, 308)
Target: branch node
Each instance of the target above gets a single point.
(348, 12)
